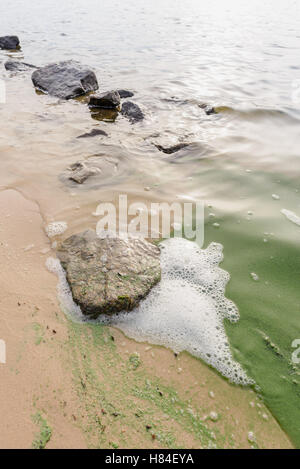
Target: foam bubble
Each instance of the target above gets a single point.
(185, 311)
(291, 216)
(56, 228)
(64, 293)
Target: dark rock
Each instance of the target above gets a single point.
(93, 133)
(173, 149)
(65, 80)
(9, 42)
(125, 94)
(108, 100)
(108, 275)
(16, 66)
(132, 111)
(208, 109)
(80, 171)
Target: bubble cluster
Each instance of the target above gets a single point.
(56, 228)
(185, 311)
(64, 293)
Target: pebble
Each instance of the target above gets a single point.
(213, 416)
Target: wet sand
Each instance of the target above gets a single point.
(80, 379)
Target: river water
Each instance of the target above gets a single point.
(239, 56)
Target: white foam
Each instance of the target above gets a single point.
(185, 311)
(291, 216)
(64, 293)
(56, 228)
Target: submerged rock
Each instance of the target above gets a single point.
(108, 275)
(173, 149)
(9, 42)
(65, 80)
(80, 171)
(132, 111)
(16, 66)
(108, 100)
(125, 94)
(208, 109)
(93, 133)
(104, 115)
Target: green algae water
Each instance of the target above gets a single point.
(267, 244)
(237, 56)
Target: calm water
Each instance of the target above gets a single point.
(240, 55)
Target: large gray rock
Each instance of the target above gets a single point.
(132, 111)
(65, 80)
(111, 274)
(107, 100)
(17, 66)
(9, 42)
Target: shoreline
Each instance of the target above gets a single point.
(92, 391)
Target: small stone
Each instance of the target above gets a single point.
(132, 111)
(93, 133)
(9, 42)
(108, 100)
(172, 149)
(125, 94)
(80, 171)
(17, 66)
(214, 416)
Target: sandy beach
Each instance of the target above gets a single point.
(79, 382)
(137, 111)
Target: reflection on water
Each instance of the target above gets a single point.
(235, 56)
(105, 115)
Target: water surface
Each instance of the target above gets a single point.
(237, 55)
